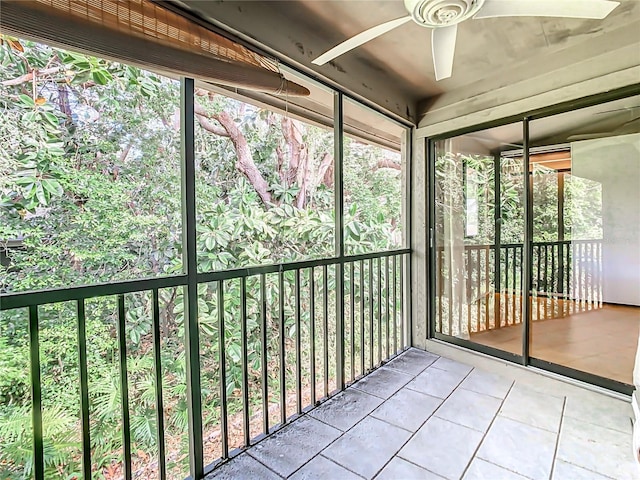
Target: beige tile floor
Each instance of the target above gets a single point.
(601, 341)
(465, 416)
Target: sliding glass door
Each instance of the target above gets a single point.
(581, 258)
(478, 226)
(585, 176)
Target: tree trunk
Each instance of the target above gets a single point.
(245, 163)
(325, 170)
(298, 166)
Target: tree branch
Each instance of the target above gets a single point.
(388, 163)
(124, 153)
(211, 127)
(27, 77)
(245, 163)
(202, 116)
(325, 170)
(229, 129)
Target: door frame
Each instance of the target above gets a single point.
(525, 358)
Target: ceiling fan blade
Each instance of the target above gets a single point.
(547, 8)
(359, 39)
(443, 46)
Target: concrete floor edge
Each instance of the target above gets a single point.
(481, 360)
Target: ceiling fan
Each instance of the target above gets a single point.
(443, 16)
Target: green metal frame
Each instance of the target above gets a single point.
(190, 267)
(189, 280)
(338, 146)
(10, 301)
(527, 261)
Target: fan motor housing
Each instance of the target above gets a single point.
(441, 13)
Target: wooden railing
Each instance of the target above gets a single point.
(486, 293)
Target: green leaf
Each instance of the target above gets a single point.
(40, 195)
(82, 77)
(81, 63)
(51, 118)
(52, 186)
(101, 77)
(234, 352)
(31, 117)
(55, 149)
(25, 180)
(26, 100)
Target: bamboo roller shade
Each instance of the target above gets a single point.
(146, 34)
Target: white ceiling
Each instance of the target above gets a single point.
(395, 71)
(619, 117)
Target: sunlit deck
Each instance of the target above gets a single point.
(430, 417)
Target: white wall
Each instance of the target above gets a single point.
(615, 163)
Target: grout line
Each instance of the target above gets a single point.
(413, 463)
(502, 467)
(466, 389)
(528, 424)
(389, 423)
(603, 475)
(257, 460)
(384, 399)
(336, 463)
(423, 423)
(343, 433)
(486, 432)
(606, 427)
(555, 450)
(391, 367)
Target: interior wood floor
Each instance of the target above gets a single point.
(602, 341)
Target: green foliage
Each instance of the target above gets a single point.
(582, 202)
(14, 381)
(90, 189)
(59, 439)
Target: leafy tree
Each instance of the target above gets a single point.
(90, 192)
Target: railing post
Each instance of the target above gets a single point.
(84, 390)
(189, 265)
(36, 394)
(157, 340)
(338, 143)
(124, 389)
